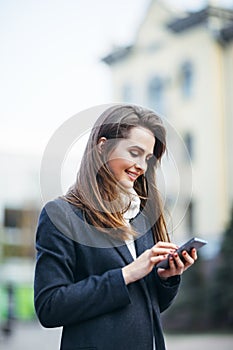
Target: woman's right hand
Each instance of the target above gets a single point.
(144, 264)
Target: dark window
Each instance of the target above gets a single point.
(187, 79)
(20, 218)
(188, 139)
(190, 218)
(13, 218)
(156, 98)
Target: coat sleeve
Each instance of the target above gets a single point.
(59, 299)
(166, 290)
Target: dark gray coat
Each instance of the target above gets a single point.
(79, 285)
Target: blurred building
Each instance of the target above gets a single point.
(19, 207)
(19, 204)
(181, 65)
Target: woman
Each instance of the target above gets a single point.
(98, 246)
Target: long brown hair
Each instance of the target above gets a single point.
(96, 190)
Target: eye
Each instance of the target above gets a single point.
(134, 154)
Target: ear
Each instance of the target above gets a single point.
(101, 143)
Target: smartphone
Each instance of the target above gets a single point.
(194, 242)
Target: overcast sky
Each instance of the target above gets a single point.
(50, 66)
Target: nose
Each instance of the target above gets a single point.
(141, 166)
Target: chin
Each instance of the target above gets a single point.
(126, 183)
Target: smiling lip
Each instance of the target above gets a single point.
(133, 176)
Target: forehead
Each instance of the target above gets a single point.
(142, 137)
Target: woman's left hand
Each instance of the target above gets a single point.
(177, 266)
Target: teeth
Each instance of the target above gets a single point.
(131, 174)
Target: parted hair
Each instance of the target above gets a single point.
(96, 191)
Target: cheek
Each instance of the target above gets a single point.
(117, 166)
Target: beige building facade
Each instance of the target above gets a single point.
(181, 65)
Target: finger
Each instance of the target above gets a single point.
(194, 254)
(167, 245)
(188, 258)
(156, 259)
(160, 251)
(173, 268)
(178, 262)
(172, 271)
(172, 264)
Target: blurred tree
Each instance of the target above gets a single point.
(222, 290)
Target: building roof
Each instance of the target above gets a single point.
(117, 54)
(192, 19)
(223, 33)
(178, 25)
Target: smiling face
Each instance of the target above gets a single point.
(129, 158)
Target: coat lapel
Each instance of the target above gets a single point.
(143, 242)
(145, 237)
(125, 254)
